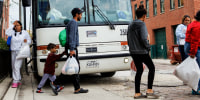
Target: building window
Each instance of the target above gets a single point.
(147, 7)
(162, 6)
(154, 7)
(172, 4)
(135, 11)
(141, 2)
(180, 3)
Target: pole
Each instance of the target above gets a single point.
(24, 18)
(20, 10)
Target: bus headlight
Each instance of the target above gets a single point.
(126, 60)
(56, 65)
(44, 52)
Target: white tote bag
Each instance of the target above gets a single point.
(188, 71)
(70, 67)
(24, 51)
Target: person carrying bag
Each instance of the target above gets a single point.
(71, 66)
(188, 71)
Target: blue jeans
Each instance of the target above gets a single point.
(187, 51)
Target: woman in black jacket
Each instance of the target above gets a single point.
(139, 49)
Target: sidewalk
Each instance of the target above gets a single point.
(164, 79)
(4, 85)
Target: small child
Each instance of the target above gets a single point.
(50, 69)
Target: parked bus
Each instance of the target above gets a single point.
(102, 34)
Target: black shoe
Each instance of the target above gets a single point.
(81, 91)
(54, 89)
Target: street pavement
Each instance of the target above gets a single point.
(119, 87)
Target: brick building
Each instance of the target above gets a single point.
(162, 18)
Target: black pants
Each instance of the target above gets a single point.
(138, 60)
(75, 78)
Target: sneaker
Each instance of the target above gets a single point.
(39, 91)
(14, 85)
(19, 83)
(152, 96)
(53, 89)
(81, 91)
(195, 92)
(59, 88)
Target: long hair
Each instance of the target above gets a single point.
(184, 17)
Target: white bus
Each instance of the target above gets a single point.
(102, 34)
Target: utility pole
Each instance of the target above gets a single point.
(20, 10)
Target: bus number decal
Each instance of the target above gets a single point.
(92, 64)
(91, 33)
(123, 31)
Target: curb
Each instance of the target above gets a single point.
(4, 85)
(161, 61)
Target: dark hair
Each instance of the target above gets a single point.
(197, 16)
(51, 46)
(140, 11)
(20, 23)
(184, 17)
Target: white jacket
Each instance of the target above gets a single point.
(18, 39)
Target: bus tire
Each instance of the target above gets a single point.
(108, 74)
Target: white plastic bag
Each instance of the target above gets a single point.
(24, 51)
(188, 71)
(70, 67)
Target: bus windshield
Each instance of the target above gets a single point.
(58, 12)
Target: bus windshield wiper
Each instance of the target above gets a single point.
(105, 18)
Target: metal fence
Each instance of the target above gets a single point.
(5, 64)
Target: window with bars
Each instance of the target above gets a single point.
(135, 11)
(154, 7)
(180, 3)
(147, 7)
(172, 4)
(141, 2)
(162, 6)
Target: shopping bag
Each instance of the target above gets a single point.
(9, 40)
(133, 68)
(70, 67)
(63, 37)
(24, 51)
(188, 71)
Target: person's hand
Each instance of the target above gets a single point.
(15, 23)
(72, 53)
(64, 53)
(25, 40)
(192, 56)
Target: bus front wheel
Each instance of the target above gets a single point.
(108, 74)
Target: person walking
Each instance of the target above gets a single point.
(192, 44)
(139, 49)
(180, 35)
(72, 44)
(19, 37)
(49, 70)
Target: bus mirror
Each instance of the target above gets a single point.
(83, 8)
(26, 3)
